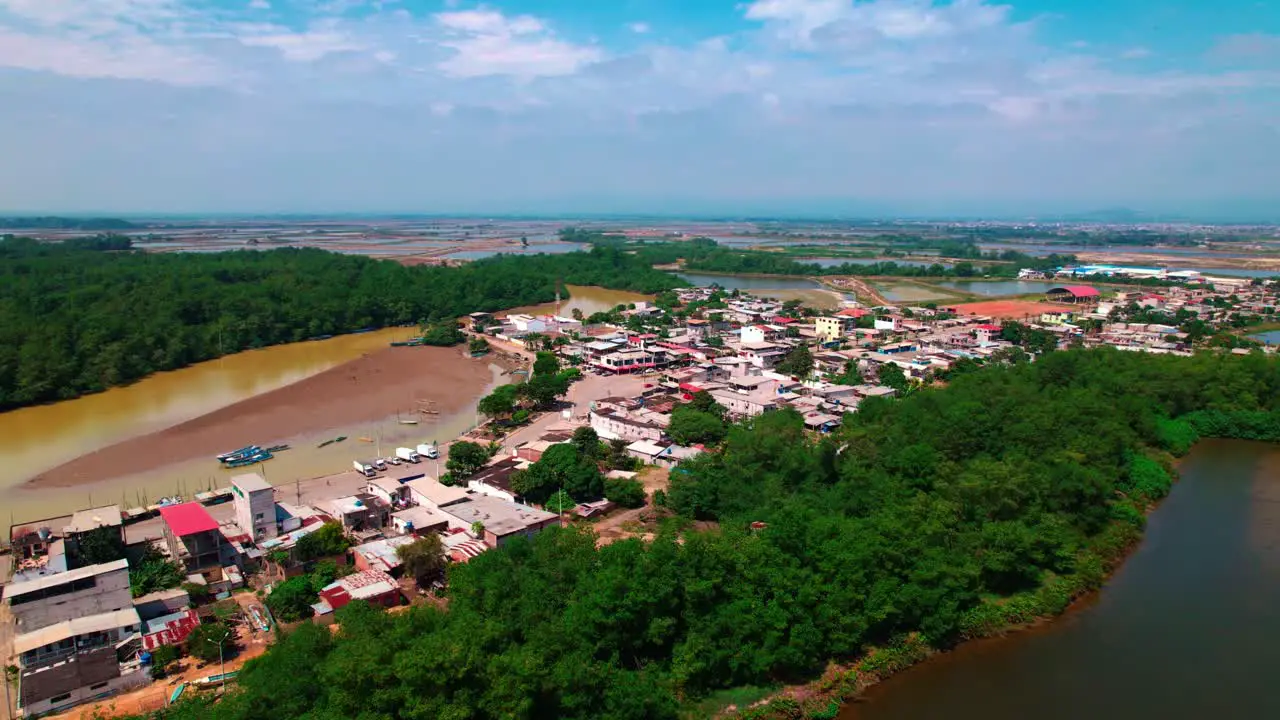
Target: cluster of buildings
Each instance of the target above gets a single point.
(80, 635)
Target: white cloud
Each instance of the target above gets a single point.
(259, 5)
(639, 28)
(1136, 53)
(487, 43)
(321, 39)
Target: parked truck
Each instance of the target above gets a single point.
(408, 455)
(428, 451)
(380, 463)
(364, 467)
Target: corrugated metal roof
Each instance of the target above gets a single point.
(188, 519)
(76, 626)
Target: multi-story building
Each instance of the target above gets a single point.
(255, 505)
(77, 637)
(193, 537)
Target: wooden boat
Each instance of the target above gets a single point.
(277, 448)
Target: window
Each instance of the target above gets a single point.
(59, 698)
(99, 686)
(259, 516)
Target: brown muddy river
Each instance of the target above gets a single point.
(1188, 628)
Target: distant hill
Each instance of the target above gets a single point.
(65, 223)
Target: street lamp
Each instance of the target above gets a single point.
(222, 665)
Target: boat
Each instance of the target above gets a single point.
(215, 680)
(262, 456)
(242, 454)
(327, 443)
(236, 453)
(365, 439)
(340, 438)
(277, 448)
(408, 421)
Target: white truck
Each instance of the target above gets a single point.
(380, 463)
(364, 467)
(408, 455)
(428, 451)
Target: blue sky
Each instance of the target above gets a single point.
(660, 106)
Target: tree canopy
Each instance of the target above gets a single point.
(946, 514)
(76, 320)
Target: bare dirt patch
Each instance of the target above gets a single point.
(1010, 309)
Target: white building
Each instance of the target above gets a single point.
(255, 505)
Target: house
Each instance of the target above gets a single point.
(373, 586)
(499, 520)
(360, 513)
(1056, 317)
(527, 323)
(431, 493)
(418, 520)
(389, 490)
(255, 506)
(380, 554)
(193, 537)
(610, 423)
(762, 355)
(478, 321)
(76, 637)
(742, 404)
(494, 480)
(830, 329)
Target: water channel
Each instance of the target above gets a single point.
(34, 439)
(1187, 628)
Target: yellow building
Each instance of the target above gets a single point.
(830, 328)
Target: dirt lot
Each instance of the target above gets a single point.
(632, 523)
(375, 386)
(1009, 309)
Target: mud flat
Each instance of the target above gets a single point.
(383, 383)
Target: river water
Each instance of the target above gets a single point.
(1188, 627)
(35, 439)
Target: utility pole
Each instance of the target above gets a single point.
(222, 665)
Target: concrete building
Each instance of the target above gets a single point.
(360, 513)
(255, 506)
(501, 520)
(829, 329)
(192, 537)
(76, 637)
(431, 493)
(51, 599)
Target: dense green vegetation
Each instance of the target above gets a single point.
(947, 514)
(75, 319)
(53, 222)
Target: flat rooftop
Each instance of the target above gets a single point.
(250, 482)
(498, 516)
(93, 518)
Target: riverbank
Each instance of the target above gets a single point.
(842, 684)
(380, 384)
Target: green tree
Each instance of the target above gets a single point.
(203, 641)
(546, 364)
(423, 560)
(587, 442)
(891, 375)
(625, 492)
(466, 458)
(797, 363)
(560, 468)
(152, 572)
(689, 427)
(446, 333)
(291, 600)
(100, 545)
(500, 403)
(327, 541)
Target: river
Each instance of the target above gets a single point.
(587, 298)
(1186, 628)
(35, 439)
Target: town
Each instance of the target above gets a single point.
(104, 602)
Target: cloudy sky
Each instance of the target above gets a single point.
(663, 106)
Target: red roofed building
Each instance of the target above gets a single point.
(192, 536)
(373, 586)
(169, 630)
(853, 313)
(1073, 294)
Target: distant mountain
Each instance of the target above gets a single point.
(51, 222)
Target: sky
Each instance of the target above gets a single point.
(856, 107)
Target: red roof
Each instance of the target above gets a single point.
(188, 519)
(1078, 290)
(854, 312)
(783, 320)
(174, 631)
(992, 328)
